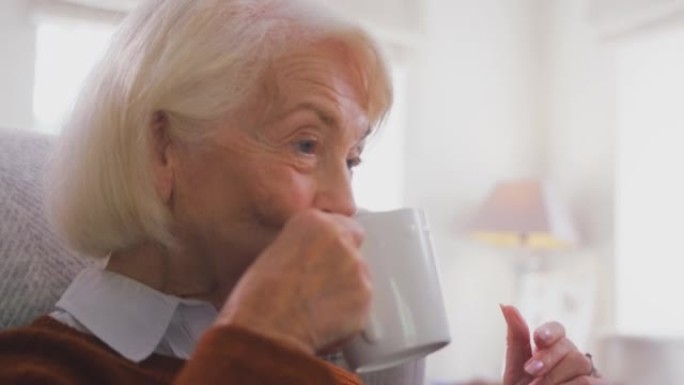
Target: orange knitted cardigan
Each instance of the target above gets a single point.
(48, 352)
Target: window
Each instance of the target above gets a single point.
(65, 54)
(650, 184)
(379, 181)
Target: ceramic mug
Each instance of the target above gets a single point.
(408, 320)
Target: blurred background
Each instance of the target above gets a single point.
(579, 100)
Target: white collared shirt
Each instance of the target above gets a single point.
(136, 321)
(131, 318)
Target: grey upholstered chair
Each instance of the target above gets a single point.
(35, 266)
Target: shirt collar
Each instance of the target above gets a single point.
(133, 319)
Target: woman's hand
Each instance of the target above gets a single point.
(309, 288)
(555, 361)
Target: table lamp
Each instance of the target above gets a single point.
(523, 214)
(529, 218)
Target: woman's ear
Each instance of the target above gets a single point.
(162, 157)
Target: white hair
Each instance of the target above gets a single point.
(196, 62)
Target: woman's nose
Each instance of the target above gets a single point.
(335, 193)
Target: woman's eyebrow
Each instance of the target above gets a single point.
(325, 117)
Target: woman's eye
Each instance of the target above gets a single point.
(353, 162)
(306, 146)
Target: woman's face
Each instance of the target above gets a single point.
(293, 150)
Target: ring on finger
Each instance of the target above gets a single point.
(593, 372)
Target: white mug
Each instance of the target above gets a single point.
(408, 320)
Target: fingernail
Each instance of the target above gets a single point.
(545, 334)
(534, 366)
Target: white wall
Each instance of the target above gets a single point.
(581, 135)
(507, 89)
(583, 36)
(16, 64)
(473, 122)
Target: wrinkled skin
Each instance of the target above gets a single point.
(263, 207)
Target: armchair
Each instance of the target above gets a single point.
(35, 265)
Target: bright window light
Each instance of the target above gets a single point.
(379, 181)
(65, 54)
(650, 185)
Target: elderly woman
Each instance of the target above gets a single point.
(208, 164)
